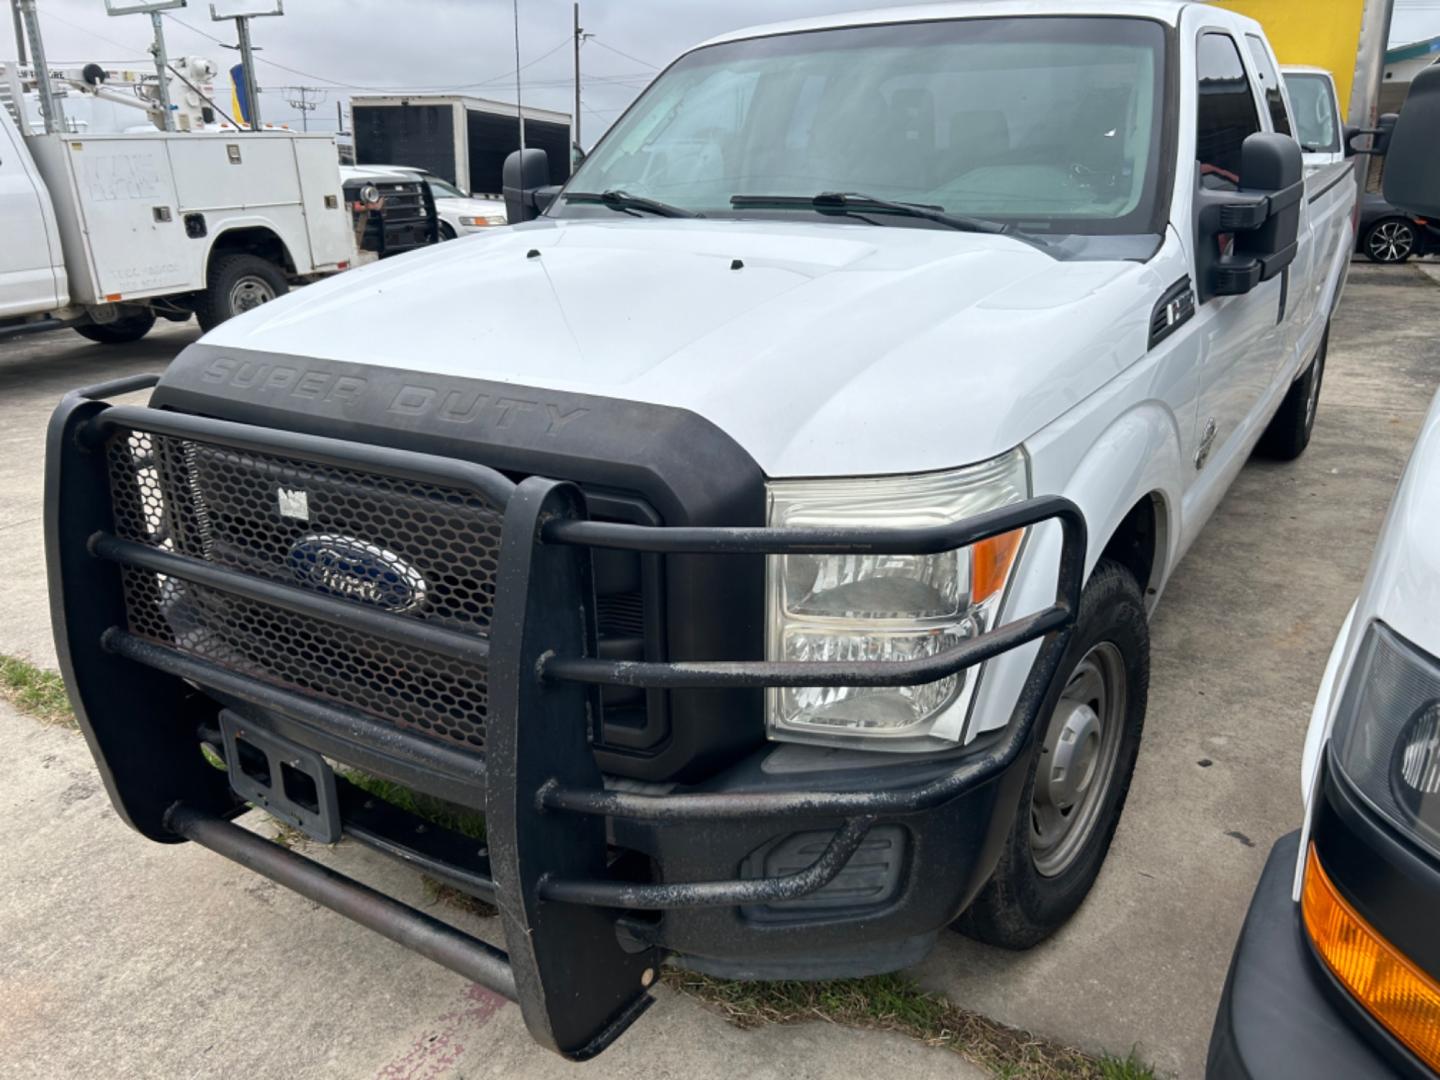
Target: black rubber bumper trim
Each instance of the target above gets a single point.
(1276, 1020)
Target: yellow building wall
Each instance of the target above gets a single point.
(1322, 33)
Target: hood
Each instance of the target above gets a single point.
(823, 349)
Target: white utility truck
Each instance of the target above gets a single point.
(106, 232)
(760, 531)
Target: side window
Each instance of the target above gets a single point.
(1270, 84)
(1315, 123)
(1227, 115)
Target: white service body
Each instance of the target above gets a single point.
(94, 220)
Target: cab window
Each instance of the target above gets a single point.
(1227, 113)
(1270, 84)
(1315, 114)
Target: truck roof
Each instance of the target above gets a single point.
(1167, 11)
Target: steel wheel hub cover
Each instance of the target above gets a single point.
(249, 293)
(1077, 759)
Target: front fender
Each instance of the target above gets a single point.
(1137, 456)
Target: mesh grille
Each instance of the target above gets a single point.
(420, 550)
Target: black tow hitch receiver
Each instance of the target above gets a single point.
(152, 596)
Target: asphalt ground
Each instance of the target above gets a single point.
(134, 960)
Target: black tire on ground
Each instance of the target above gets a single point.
(1292, 425)
(238, 283)
(1390, 240)
(446, 232)
(122, 330)
(1048, 866)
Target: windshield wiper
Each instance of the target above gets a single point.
(849, 202)
(623, 200)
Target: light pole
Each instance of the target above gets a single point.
(242, 11)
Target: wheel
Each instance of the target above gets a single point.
(1079, 774)
(446, 232)
(1390, 240)
(238, 283)
(122, 330)
(1293, 423)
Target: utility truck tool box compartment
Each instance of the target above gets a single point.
(137, 213)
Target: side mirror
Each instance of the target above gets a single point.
(1379, 138)
(1263, 217)
(525, 173)
(1412, 164)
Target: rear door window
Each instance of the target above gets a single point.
(1227, 113)
(1270, 85)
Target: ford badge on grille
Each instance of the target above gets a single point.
(346, 566)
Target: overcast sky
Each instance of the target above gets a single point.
(419, 44)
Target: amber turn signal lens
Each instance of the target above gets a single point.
(1393, 990)
(990, 565)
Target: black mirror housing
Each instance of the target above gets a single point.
(524, 174)
(1412, 162)
(1263, 217)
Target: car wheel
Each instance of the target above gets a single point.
(123, 330)
(1289, 431)
(238, 283)
(1391, 240)
(1079, 774)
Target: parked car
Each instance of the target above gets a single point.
(392, 212)
(1337, 970)
(460, 213)
(1388, 235)
(762, 537)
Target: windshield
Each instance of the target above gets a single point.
(1050, 124)
(440, 189)
(1315, 123)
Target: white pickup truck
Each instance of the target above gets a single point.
(107, 232)
(760, 531)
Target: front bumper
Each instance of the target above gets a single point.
(1278, 1018)
(596, 882)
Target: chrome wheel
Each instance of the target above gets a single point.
(248, 293)
(1077, 759)
(1391, 241)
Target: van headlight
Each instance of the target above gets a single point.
(1386, 738)
(886, 607)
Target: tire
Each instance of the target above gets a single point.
(1294, 422)
(1051, 858)
(121, 331)
(446, 232)
(1390, 240)
(238, 283)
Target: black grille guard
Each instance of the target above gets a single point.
(578, 983)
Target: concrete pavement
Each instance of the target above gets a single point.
(143, 961)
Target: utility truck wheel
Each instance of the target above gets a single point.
(1289, 432)
(238, 283)
(129, 328)
(1079, 775)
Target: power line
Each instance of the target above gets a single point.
(341, 84)
(627, 56)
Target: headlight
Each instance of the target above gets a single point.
(886, 607)
(1387, 732)
(481, 222)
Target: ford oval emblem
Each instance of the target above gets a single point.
(358, 570)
